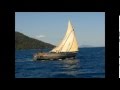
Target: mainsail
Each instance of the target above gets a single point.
(69, 42)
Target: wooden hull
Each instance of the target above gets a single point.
(54, 56)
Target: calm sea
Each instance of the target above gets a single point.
(89, 63)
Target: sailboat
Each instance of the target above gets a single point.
(68, 47)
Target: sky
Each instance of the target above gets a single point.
(51, 27)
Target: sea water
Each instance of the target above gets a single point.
(89, 63)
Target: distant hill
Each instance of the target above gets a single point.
(89, 46)
(24, 42)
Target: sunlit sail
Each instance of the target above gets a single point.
(69, 42)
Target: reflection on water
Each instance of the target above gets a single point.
(69, 67)
(70, 63)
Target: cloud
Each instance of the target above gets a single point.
(40, 36)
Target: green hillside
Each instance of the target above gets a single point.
(24, 42)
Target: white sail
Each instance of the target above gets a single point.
(69, 43)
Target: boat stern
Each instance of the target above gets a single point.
(38, 56)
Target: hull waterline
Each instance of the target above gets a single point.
(53, 56)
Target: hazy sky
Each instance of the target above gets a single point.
(51, 26)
